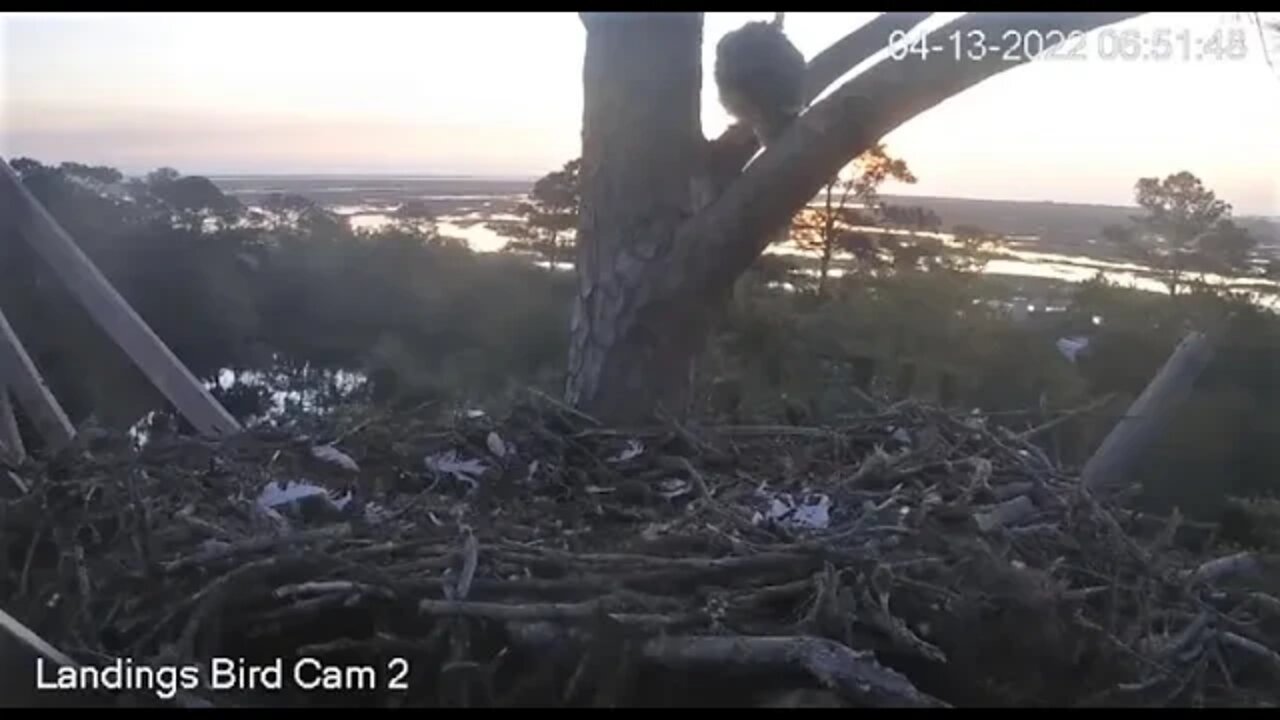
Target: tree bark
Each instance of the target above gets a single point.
(632, 343)
(650, 268)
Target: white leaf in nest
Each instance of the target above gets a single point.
(375, 513)
(276, 494)
(633, 449)
(448, 463)
(673, 488)
(533, 469)
(814, 513)
(981, 471)
(597, 490)
(902, 436)
(496, 446)
(334, 456)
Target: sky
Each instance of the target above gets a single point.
(501, 94)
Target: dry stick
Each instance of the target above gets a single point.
(557, 404)
(1254, 648)
(325, 587)
(1146, 417)
(258, 544)
(744, 563)
(18, 641)
(1242, 563)
(856, 675)
(1267, 603)
(1008, 512)
(533, 612)
(10, 438)
(1064, 417)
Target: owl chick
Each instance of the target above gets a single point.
(760, 77)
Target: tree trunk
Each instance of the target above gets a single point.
(635, 330)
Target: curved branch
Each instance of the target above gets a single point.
(846, 53)
(738, 144)
(722, 241)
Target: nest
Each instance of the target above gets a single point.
(909, 558)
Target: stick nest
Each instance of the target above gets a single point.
(910, 558)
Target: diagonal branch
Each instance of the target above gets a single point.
(738, 142)
(720, 243)
(846, 53)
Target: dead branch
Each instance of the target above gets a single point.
(1219, 568)
(1009, 512)
(855, 675)
(1252, 647)
(563, 612)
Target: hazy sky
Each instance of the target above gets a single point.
(501, 93)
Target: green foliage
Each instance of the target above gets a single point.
(1186, 229)
(548, 218)
(286, 284)
(852, 220)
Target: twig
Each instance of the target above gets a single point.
(563, 407)
(256, 545)
(1096, 404)
(331, 586)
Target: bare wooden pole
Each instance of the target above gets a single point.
(110, 311)
(20, 373)
(1147, 416)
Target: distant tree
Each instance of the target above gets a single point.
(415, 217)
(973, 247)
(282, 212)
(193, 201)
(548, 217)
(849, 206)
(1186, 229)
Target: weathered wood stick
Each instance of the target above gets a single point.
(109, 310)
(1147, 416)
(10, 439)
(20, 373)
(26, 657)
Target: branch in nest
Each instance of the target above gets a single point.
(255, 545)
(533, 612)
(1253, 648)
(855, 675)
(1006, 513)
(1242, 563)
